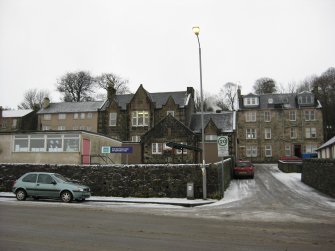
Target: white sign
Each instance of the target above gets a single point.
(223, 146)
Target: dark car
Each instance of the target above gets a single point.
(49, 185)
(243, 168)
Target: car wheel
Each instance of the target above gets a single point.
(21, 194)
(66, 196)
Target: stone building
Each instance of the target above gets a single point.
(19, 120)
(273, 126)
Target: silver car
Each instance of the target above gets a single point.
(49, 185)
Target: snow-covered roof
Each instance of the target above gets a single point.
(15, 114)
(328, 143)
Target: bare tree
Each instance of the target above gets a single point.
(265, 85)
(228, 95)
(307, 84)
(33, 99)
(111, 79)
(76, 87)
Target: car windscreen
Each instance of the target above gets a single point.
(243, 164)
(61, 178)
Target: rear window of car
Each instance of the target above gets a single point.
(30, 178)
(243, 164)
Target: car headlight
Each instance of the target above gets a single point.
(80, 189)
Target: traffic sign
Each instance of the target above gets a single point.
(223, 146)
(116, 149)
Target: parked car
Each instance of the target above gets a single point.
(243, 168)
(49, 185)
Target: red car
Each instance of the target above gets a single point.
(243, 168)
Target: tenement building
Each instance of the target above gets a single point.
(274, 126)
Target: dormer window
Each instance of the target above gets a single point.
(306, 100)
(251, 101)
(270, 100)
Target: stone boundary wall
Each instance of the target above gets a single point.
(168, 180)
(319, 174)
(290, 166)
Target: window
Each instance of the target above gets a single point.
(268, 151)
(309, 115)
(267, 133)
(287, 150)
(4, 124)
(21, 144)
(293, 133)
(54, 143)
(250, 101)
(310, 133)
(46, 128)
(304, 100)
(44, 179)
(112, 118)
(250, 117)
(267, 116)
(170, 112)
(47, 116)
(83, 128)
(156, 148)
(251, 133)
(75, 116)
(251, 151)
(311, 148)
(136, 138)
(14, 124)
(140, 118)
(37, 143)
(82, 115)
(61, 128)
(71, 143)
(166, 148)
(61, 116)
(89, 115)
(211, 137)
(31, 178)
(292, 116)
(179, 151)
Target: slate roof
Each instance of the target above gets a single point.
(15, 114)
(159, 98)
(328, 143)
(225, 121)
(71, 107)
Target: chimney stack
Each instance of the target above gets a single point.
(46, 103)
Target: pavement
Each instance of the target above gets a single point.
(184, 202)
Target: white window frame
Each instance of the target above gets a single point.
(140, 118)
(76, 116)
(170, 112)
(309, 115)
(82, 115)
(311, 148)
(46, 128)
(251, 151)
(89, 115)
(310, 133)
(267, 133)
(267, 116)
(112, 119)
(135, 138)
(179, 151)
(250, 116)
(268, 151)
(251, 133)
(14, 123)
(47, 116)
(288, 151)
(62, 116)
(156, 148)
(293, 133)
(292, 115)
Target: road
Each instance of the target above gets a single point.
(271, 212)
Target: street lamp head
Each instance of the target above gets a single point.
(196, 30)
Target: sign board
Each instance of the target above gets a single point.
(223, 146)
(116, 149)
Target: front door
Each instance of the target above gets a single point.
(297, 151)
(86, 151)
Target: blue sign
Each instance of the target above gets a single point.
(121, 149)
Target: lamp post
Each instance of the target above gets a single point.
(196, 31)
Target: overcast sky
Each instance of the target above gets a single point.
(151, 42)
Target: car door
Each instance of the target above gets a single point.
(46, 186)
(29, 183)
